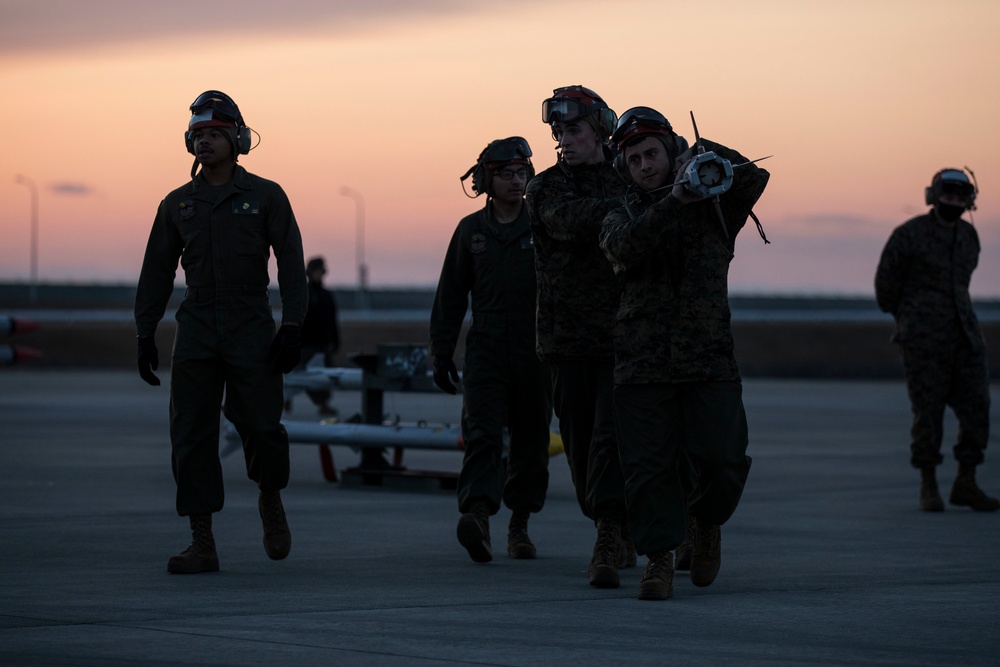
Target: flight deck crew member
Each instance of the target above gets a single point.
(221, 226)
(505, 385)
(320, 333)
(678, 392)
(577, 300)
(923, 280)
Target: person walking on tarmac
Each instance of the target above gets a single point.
(505, 385)
(923, 279)
(577, 299)
(221, 226)
(678, 392)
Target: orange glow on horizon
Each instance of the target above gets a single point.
(860, 103)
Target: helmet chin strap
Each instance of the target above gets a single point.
(194, 168)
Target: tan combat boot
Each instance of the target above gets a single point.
(277, 536)
(200, 556)
(474, 533)
(626, 553)
(707, 555)
(519, 545)
(684, 550)
(604, 563)
(965, 492)
(930, 498)
(658, 579)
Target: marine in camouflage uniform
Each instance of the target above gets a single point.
(678, 392)
(505, 385)
(221, 226)
(923, 281)
(577, 299)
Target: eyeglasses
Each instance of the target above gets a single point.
(509, 174)
(638, 120)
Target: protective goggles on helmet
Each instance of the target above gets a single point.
(640, 120)
(214, 106)
(570, 103)
(952, 182)
(506, 150)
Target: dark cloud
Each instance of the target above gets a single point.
(75, 189)
(66, 25)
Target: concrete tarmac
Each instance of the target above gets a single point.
(827, 561)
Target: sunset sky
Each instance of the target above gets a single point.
(859, 101)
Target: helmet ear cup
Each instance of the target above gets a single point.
(680, 145)
(620, 168)
(242, 142)
(479, 179)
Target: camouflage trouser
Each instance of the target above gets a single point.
(666, 433)
(957, 378)
(583, 399)
(220, 349)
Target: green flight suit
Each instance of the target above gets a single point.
(222, 237)
(504, 383)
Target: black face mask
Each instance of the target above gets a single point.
(949, 212)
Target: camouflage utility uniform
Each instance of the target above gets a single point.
(923, 280)
(577, 299)
(677, 385)
(504, 382)
(222, 237)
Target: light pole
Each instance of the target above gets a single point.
(359, 244)
(33, 285)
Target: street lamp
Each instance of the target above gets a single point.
(359, 210)
(30, 184)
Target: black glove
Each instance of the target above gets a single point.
(444, 368)
(149, 360)
(286, 349)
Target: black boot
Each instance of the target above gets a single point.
(200, 556)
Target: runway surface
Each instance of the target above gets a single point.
(826, 562)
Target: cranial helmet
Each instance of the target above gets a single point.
(571, 103)
(496, 155)
(952, 181)
(216, 109)
(639, 122)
